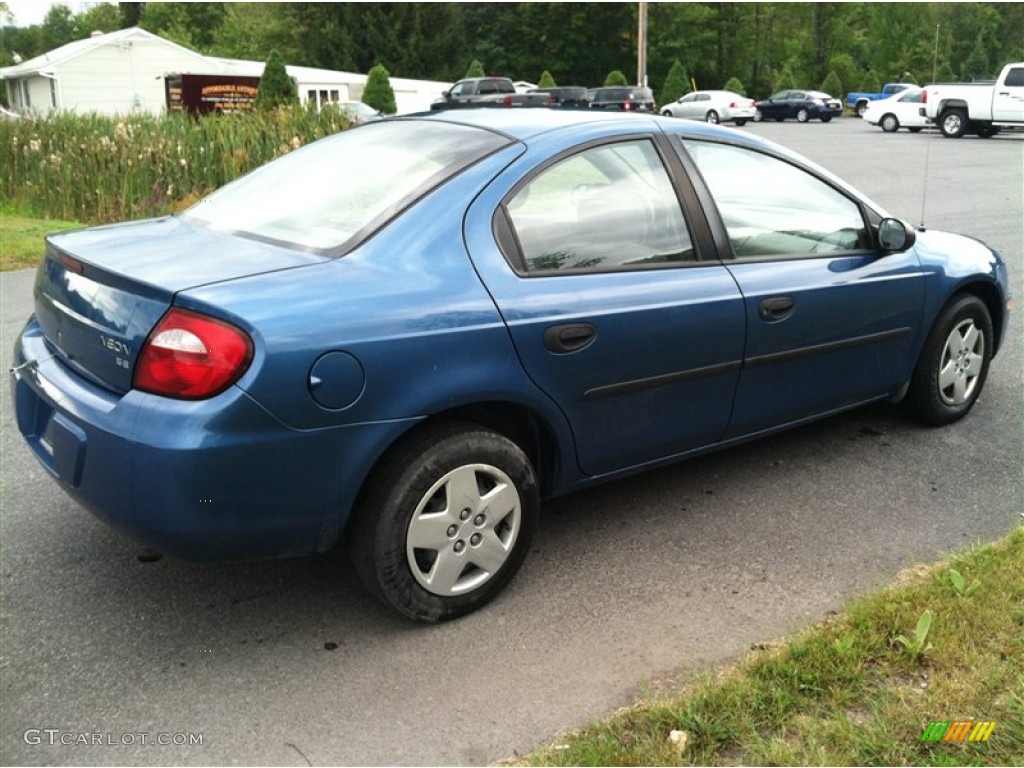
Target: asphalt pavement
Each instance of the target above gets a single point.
(659, 576)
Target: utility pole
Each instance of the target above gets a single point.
(641, 47)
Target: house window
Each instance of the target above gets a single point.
(311, 96)
(334, 96)
(26, 102)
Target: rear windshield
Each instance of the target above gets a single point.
(332, 194)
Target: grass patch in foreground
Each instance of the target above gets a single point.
(21, 239)
(859, 689)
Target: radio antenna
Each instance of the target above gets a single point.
(928, 141)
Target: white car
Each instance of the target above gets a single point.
(712, 107)
(902, 110)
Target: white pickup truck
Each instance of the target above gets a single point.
(984, 109)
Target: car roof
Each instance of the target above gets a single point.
(524, 124)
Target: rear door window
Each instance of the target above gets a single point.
(609, 207)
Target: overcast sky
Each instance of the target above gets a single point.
(29, 12)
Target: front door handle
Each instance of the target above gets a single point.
(569, 337)
(776, 308)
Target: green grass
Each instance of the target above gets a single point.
(849, 691)
(21, 239)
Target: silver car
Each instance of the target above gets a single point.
(712, 107)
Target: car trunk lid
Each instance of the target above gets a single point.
(99, 292)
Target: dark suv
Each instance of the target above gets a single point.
(624, 98)
(565, 95)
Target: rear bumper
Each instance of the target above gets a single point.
(219, 479)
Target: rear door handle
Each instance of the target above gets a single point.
(776, 308)
(569, 337)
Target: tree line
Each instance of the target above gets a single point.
(759, 46)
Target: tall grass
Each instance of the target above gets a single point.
(97, 169)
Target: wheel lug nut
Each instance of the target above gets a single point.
(452, 530)
(460, 545)
(464, 514)
(479, 520)
(475, 539)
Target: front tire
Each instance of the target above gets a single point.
(711, 117)
(666, 113)
(953, 123)
(890, 124)
(758, 116)
(446, 521)
(951, 371)
(802, 116)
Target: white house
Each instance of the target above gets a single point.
(112, 73)
(123, 71)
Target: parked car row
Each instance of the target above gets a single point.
(727, 106)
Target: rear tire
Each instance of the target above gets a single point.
(953, 123)
(951, 371)
(446, 521)
(862, 107)
(739, 123)
(889, 123)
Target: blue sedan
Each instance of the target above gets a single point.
(403, 337)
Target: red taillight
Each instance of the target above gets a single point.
(733, 105)
(627, 106)
(507, 101)
(192, 356)
(924, 97)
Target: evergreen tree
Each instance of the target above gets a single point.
(870, 82)
(277, 89)
(945, 74)
(832, 85)
(976, 67)
(378, 92)
(733, 84)
(615, 77)
(131, 14)
(676, 84)
(785, 80)
(476, 69)
(546, 80)
(846, 70)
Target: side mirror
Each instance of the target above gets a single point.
(895, 235)
(446, 94)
